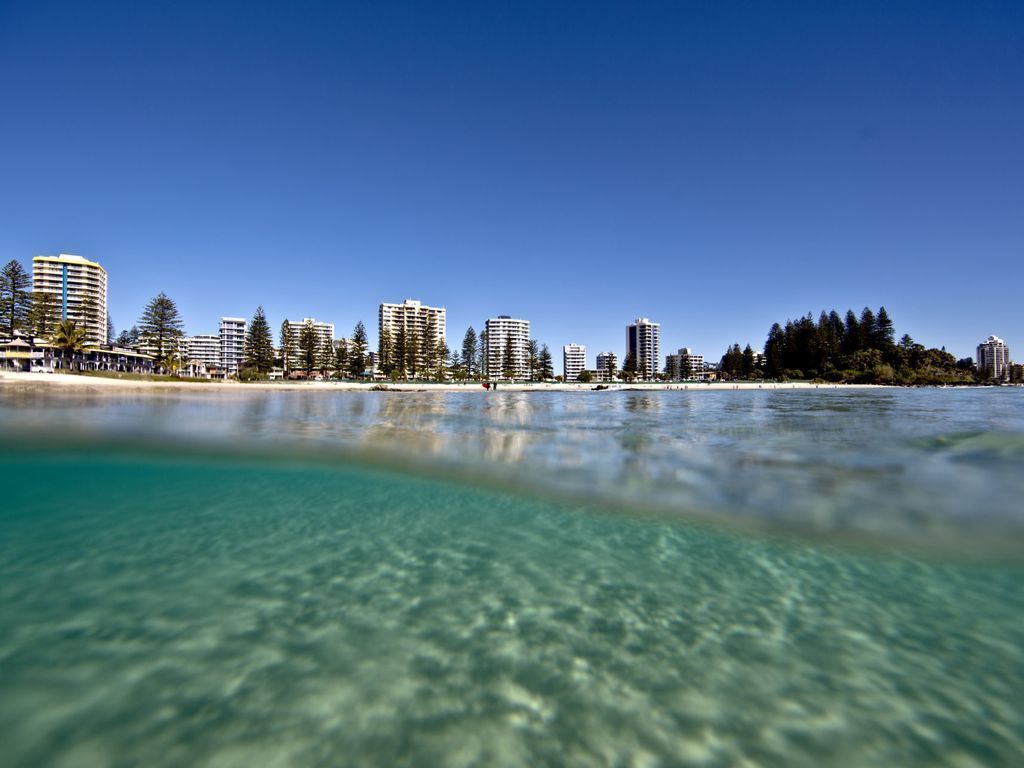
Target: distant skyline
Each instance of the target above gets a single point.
(714, 167)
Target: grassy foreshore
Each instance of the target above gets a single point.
(139, 382)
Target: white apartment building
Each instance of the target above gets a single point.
(416, 319)
(643, 342)
(204, 348)
(608, 361)
(674, 365)
(502, 331)
(994, 359)
(80, 286)
(574, 361)
(232, 344)
(324, 333)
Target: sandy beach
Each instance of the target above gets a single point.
(63, 380)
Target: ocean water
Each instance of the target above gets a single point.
(797, 578)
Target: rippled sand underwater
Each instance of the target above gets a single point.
(177, 609)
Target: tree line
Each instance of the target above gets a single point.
(850, 348)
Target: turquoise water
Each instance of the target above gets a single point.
(525, 580)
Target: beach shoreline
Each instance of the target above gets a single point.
(73, 381)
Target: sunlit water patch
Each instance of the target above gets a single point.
(189, 609)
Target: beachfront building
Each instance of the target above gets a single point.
(684, 365)
(608, 361)
(324, 335)
(232, 344)
(994, 359)
(80, 288)
(415, 320)
(574, 361)
(507, 333)
(37, 355)
(204, 348)
(643, 345)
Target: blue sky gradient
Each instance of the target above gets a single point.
(716, 166)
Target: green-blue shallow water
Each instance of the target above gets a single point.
(177, 607)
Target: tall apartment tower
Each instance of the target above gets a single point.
(643, 341)
(574, 360)
(416, 319)
(994, 359)
(324, 333)
(608, 361)
(80, 286)
(232, 344)
(504, 331)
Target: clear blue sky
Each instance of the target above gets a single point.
(716, 166)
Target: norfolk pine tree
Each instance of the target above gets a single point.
(15, 299)
(357, 353)
(259, 344)
(160, 327)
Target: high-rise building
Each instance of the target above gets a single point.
(203, 348)
(507, 333)
(994, 359)
(80, 286)
(643, 344)
(608, 361)
(324, 334)
(232, 344)
(574, 361)
(414, 319)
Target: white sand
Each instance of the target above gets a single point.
(63, 380)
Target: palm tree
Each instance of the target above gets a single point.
(69, 338)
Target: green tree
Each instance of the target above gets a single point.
(325, 358)
(469, 360)
(129, 338)
(45, 314)
(533, 359)
(160, 328)
(402, 352)
(483, 364)
(15, 298)
(585, 377)
(883, 332)
(69, 338)
(629, 368)
(385, 353)
(309, 348)
(412, 351)
(286, 346)
(259, 343)
(685, 367)
(357, 351)
(341, 358)
(508, 359)
(747, 364)
(440, 360)
(546, 363)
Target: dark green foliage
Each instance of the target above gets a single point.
(401, 366)
(532, 359)
(482, 363)
(469, 361)
(685, 367)
(341, 359)
(858, 350)
(357, 351)
(325, 357)
(259, 343)
(286, 346)
(15, 298)
(508, 359)
(129, 338)
(44, 316)
(309, 350)
(385, 354)
(546, 364)
(160, 328)
(585, 377)
(629, 369)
